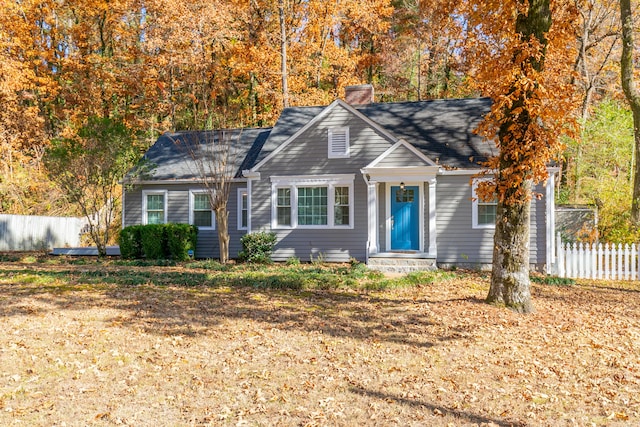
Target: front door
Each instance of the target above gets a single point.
(405, 224)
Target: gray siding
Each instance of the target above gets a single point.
(401, 157)
(459, 243)
(178, 212)
(307, 155)
(335, 245)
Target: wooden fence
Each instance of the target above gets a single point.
(597, 261)
(32, 233)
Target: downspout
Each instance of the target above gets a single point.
(122, 210)
(251, 176)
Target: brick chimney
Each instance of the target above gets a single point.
(359, 94)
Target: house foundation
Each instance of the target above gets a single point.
(401, 262)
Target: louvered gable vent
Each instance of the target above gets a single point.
(338, 143)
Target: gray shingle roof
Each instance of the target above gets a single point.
(441, 129)
(290, 121)
(171, 159)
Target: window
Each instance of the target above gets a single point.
(201, 214)
(308, 202)
(312, 206)
(243, 209)
(486, 213)
(338, 143)
(154, 207)
(404, 195)
(483, 213)
(341, 206)
(284, 207)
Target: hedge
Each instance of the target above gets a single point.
(181, 238)
(129, 241)
(158, 241)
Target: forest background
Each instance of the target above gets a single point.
(157, 65)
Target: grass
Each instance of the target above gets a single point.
(112, 342)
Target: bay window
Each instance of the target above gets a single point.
(312, 202)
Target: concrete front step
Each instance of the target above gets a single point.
(401, 263)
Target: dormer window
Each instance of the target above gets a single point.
(339, 143)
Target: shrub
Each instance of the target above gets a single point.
(153, 241)
(553, 280)
(257, 247)
(158, 241)
(180, 239)
(130, 243)
(293, 260)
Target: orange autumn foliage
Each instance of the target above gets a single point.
(533, 106)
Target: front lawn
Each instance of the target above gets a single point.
(103, 343)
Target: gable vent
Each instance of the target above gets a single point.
(338, 143)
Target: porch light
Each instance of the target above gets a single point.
(402, 186)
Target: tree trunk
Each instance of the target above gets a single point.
(283, 55)
(633, 96)
(510, 275)
(222, 220)
(510, 283)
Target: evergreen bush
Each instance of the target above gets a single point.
(158, 241)
(153, 241)
(130, 243)
(180, 239)
(257, 247)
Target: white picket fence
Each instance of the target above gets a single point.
(597, 261)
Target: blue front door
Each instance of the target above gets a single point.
(405, 224)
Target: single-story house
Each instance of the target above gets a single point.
(389, 184)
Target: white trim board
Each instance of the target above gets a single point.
(396, 146)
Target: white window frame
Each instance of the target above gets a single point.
(474, 207)
(146, 193)
(242, 192)
(274, 207)
(332, 154)
(192, 194)
(295, 182)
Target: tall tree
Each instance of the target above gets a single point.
(598, 43)
(633, 97)
(598, 36)
(88, 168)
(283, 54)
(213, 160)
(528, 81)
(421, 59)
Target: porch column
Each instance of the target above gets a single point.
(433, 247)
(372, 210)
(551, 223)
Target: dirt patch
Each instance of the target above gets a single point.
(81, 352)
